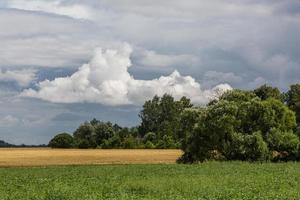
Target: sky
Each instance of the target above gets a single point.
(63, 62)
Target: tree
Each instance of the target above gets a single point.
(130, 142)
(237, 96)
(150, 137)
(283, 141)
(293, 100)
(62, 140)
(188, 120)
(264, 92)
(167, 142)
(103, 131)
(162, 116)
(85, 136)
(112, 143)
(238, 126)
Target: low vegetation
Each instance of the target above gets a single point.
(210, 180)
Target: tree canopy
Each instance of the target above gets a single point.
(241, 126)
(62, 140)
(257, 125)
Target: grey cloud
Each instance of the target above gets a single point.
(68, 117)
(256, 40)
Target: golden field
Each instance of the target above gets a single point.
(45, 156)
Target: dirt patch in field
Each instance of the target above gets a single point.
(47, 156)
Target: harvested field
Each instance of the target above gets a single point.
(47, 156)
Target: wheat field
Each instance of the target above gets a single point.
(46, 156)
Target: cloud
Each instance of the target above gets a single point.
(189, 36)
(21, 77)
(77, 11)
(213, 78)
(106, 80)
(8, 121)
(257, 82)
(153, 59)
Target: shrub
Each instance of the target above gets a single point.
(62, 140)
(130, 142)
(246, 147)
(167, 142)
(238, 126)
(256, 148)
(113, 142)
(85, 136)
(149, 137)
(149, 145)
(83, 144)
(283, 141)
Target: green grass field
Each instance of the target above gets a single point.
(213, 180)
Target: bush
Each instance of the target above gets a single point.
(283, 141)
(167, 142)
(130, 142)
(85, 136)
(246, 147)
(255, 147)
(238, 126)
(83, 144)
(149, 145)
(284, 145)
(149, 137)
(113, 142)
(62, 140)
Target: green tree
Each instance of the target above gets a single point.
(85, 136)
(112, 143)
(236, 126)
(167, 142)
(150, 137)
(283, 141)
(103, 131)
(264, 92)
(131, 142)
(62, 140)
(237, 96)
(293, 100)
(162, 116)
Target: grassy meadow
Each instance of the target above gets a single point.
(212, 180)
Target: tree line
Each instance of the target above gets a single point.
(160, 128)
(258, 125)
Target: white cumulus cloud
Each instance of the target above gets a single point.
(106, 80)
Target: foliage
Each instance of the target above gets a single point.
(247, 147)
(62, 140)
(238, 126)
(264, 92)
(211, 180)
(103, 131)
(283, 141)
(85, 136)
(167, 142)
(257, 125)
(293, 100)
(162, 116)
(149, 145)
(5, 144)
(112, 143)
(150, 137)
